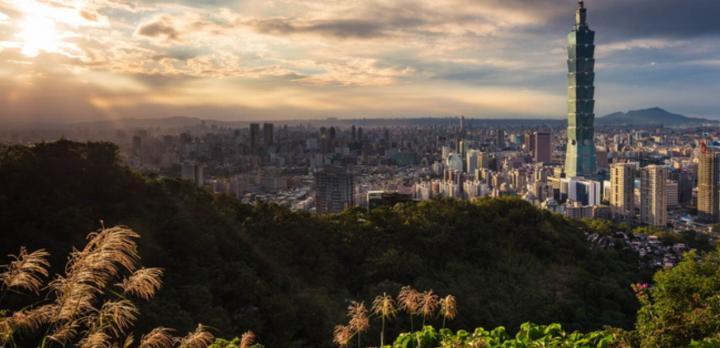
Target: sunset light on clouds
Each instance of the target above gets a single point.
(284, 59)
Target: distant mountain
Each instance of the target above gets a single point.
(649, 117)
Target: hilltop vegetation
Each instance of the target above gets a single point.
(288, 276)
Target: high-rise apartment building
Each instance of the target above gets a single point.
(622, 178)
(194, 172)
(580, 153)
(708, 201)
(653, 195)
(334, 189)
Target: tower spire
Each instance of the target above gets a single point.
(581, 15)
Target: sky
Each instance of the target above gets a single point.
(73, 60)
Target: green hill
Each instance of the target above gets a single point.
(289, 275)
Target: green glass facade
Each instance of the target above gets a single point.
(580, 153)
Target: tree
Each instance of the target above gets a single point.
(683, 304)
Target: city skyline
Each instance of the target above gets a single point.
(234, 60)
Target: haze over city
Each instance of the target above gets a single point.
(67, 61)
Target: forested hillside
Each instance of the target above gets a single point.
(288, 276)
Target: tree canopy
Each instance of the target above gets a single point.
(288, 275)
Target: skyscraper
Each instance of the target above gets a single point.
(708, 202)
(500, 139)
(471, 159)
(334, 189)
(268, 133)
(254, 132)
(580, 153)
(542, 149)
(653, 196)
(622, 192)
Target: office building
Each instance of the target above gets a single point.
(542, 149)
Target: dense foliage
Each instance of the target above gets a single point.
(288, 276)
(529, 335)
(683, 304)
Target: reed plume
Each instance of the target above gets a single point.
(66, 332)
(247, 339)
(384, 306)
(98, 339)
(409, 301)
(117, 316)
(26, 271)
(83, 310)
(74, 301)
(160, 337)
(448, 308)
(200, 338)
(129, 340)
(428, 304)
(359, 320)
(105, 255)
(34, 319)
(6, 331)
(342, 335)
(144, 283)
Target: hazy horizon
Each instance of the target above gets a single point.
(72, 61)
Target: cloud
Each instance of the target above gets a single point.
(307, 58)
(344, 28)
(159, 27)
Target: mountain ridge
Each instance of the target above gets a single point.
(650, 116)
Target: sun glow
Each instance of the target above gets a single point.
(48, 27)
(37, 34)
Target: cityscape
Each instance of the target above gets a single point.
(640, 188)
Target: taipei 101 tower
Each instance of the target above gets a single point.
(580, 153)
